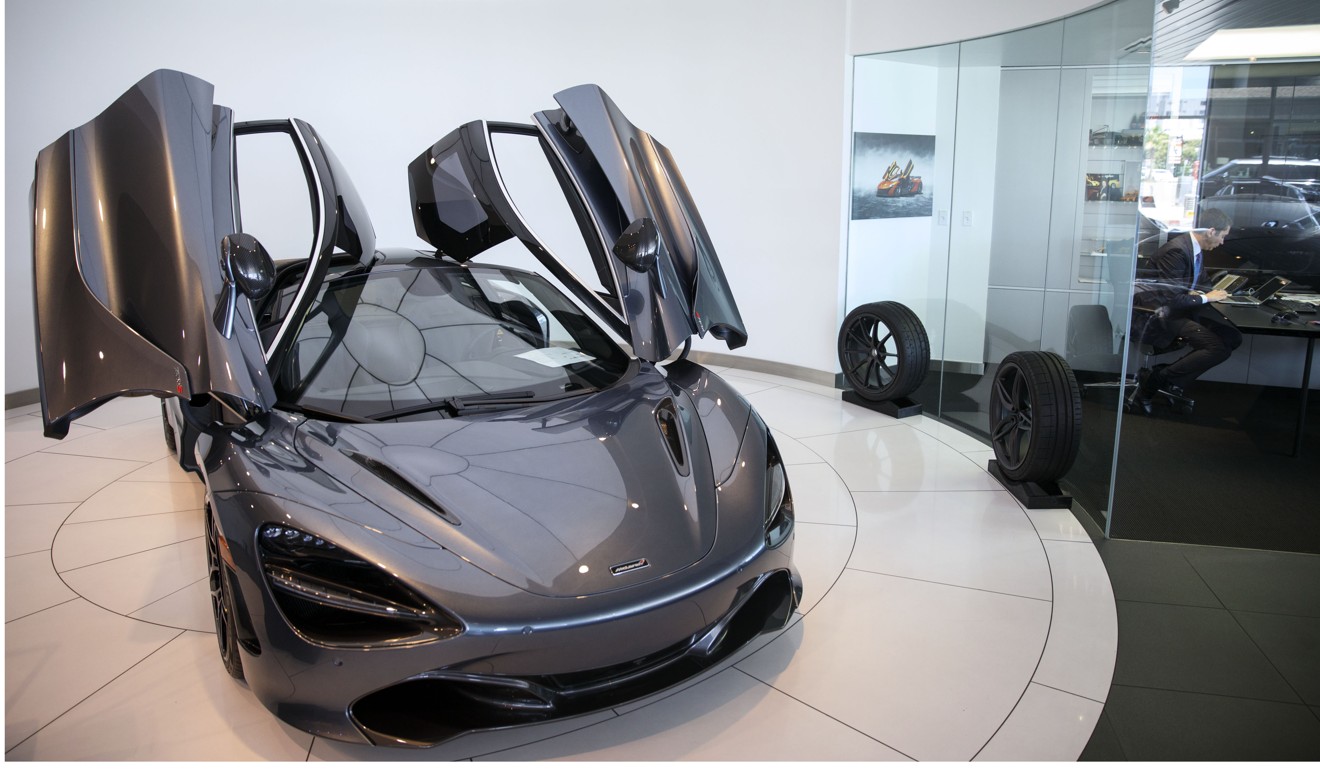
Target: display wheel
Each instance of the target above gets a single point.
(1035, 416)
(883, 350)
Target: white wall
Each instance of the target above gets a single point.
(877, 26)
(750, 95)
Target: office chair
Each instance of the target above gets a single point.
(1148, 351)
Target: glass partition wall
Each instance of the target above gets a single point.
(1051, 165)
(1032, 163)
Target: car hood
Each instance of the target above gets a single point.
(564, 499)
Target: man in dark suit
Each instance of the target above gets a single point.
(1176, 308)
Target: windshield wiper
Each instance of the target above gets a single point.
(319, 414)
(457, 405)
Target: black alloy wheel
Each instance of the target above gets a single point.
(884, 351)
(1035, 416)
(222, 603)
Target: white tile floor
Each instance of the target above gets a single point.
(940, 621)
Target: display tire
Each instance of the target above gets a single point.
(1035, 416)
(171, 440)
(884, 350)
(222, 600)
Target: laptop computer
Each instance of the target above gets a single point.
(1228, 282)
(1260, 293)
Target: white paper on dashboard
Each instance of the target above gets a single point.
(556, 357)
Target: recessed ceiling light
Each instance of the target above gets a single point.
(1298, 42)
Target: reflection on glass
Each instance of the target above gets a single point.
(1035, 181)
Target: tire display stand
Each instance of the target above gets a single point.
(1035, 426)
(898, 407)
(1033, 495)
(885, 353)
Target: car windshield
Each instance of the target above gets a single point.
(412, 342)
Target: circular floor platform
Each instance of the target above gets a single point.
(941, 620)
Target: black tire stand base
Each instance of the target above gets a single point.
(898, 407)
(1032, 494)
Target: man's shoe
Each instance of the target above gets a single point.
(1143, 397)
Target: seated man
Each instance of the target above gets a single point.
(1178, 309)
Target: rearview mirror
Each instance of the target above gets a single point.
(638, 246)
(248, 270)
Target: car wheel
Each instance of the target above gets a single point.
(171, 441)
(884, 351)
(1035, 416)
(222, 602)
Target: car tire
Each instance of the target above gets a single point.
(1035, 416)
(171, 441)
(884, 351)
(222, 600)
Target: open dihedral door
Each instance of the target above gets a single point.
(613, 174)
(128, 214)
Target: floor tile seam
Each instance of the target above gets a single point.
(26, 553)
(73, 598)
(852, 548)
(15, 458)
(62, 573)
(1118, 600)
(999, 491)
(1183, 555)
(949, 585)
(826, 524)
(827, 434)
(1045, 539)
(194, 483)
(1298, 703)
(98, 490)
(128, 516)
(1039, 683)
(64, 524)
(825, 714)
(184, 587)
(93, 693)
(1273, 614)
(33, 505)
(1044, 647)
(48, 453)
(1268, 658)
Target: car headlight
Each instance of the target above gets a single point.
(779, 499)
(334, 597)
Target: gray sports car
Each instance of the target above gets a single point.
(441, 496)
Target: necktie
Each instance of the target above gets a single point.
(1196, 270)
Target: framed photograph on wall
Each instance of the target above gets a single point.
(1104, 187)
(891, 175)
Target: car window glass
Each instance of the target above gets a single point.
(275, 204)
(534, 190)
(406, 337)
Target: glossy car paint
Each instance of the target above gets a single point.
(579, 553)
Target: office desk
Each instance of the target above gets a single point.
(1256, 320)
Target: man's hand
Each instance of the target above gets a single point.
(1216, 295)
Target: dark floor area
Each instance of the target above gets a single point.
(1218, 655)
(1224, 475)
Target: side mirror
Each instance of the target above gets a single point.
(248, 270)
(638, 246)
